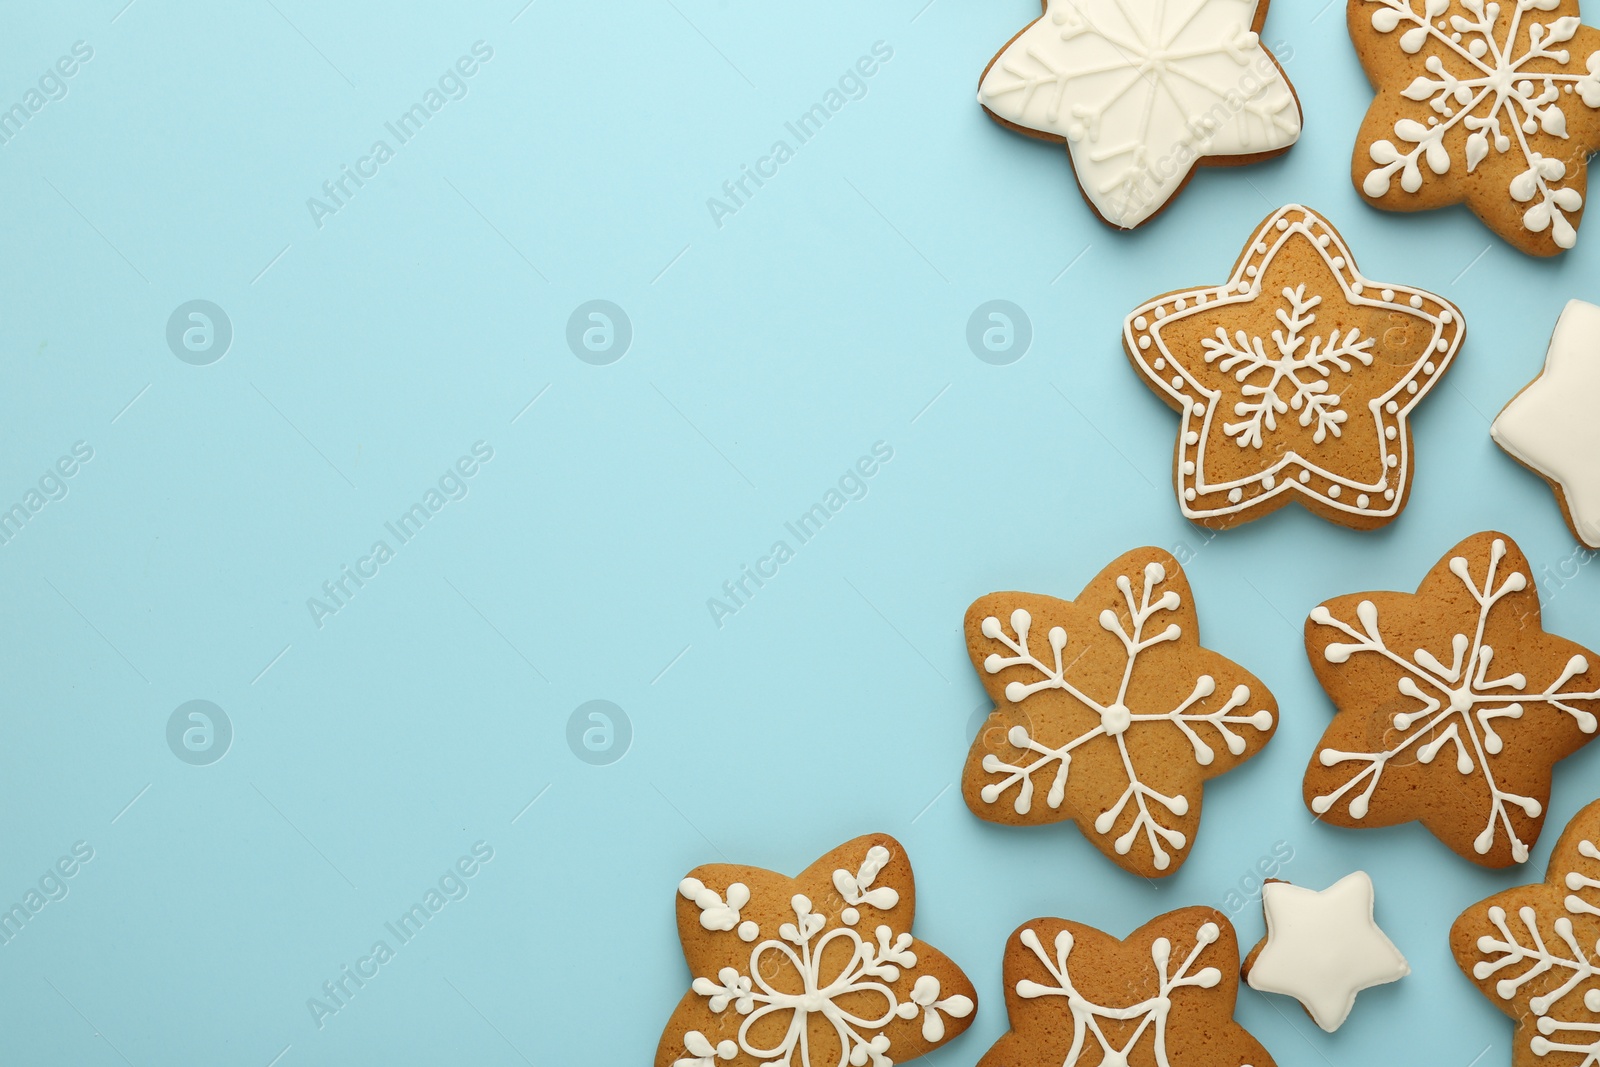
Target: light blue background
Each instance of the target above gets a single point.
(769, 354)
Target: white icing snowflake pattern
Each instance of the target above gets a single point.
(1151, 1013)
(1116, 719)
(870, 966)
(1478, 79)
(1560, 953)
(1141, 89)
(1457, 704)
(1303, 365)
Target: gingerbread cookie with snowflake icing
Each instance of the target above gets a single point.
(1295, 379)
(1533, 952)
(1453, 704)
(1109, 712)
(819, 970)
(1142, 92)
(1165, 995)
(1488, 103)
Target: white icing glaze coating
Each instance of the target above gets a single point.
(1324, 947)
(1556, 951)
(1151, 1013)
(1142, 89)
(1454, 706)
(832, 963)
(1552, 425)
(1117, 719)
(1478, 79)
(1294, 374)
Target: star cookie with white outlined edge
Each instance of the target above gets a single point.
(1143, 91)
(819, 970)
(1295, 379)
(1322, 947)
(1532, 952)
(1454, 705)
(1109, 712)
(1552, 427)
(1165, 994)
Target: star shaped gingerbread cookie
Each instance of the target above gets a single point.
(815, 971)
(1142, 92)
(1453, 704)
(1531, 951)
(1323, 947)
(1491, 103)
(1552, 427)
(1295, 379)
(1109, 712)
(1164, 995)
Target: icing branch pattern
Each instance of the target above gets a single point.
(1303, 365)
(1526, 954)
(1479, 79)
(1459, 707)
(1151, 1014)
(1116, 718)
(832, 965)
(1140, 89)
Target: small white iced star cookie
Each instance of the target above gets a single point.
(1552, 428)
(1322, 948)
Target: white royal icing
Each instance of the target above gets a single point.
(828, 971)
(1141, 90)
(1151, 1014)
(1479, 79)
(1558, 954)
(1116, 718)
(1294, 373)
(1453, 707)
(1324, 947)
(1552, 425)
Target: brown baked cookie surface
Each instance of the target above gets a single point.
(819, 970)
(1109, 712)
(1531, 951)
(1295, 379)
(1495, 105)
(1164, 996)
(1453, 704)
